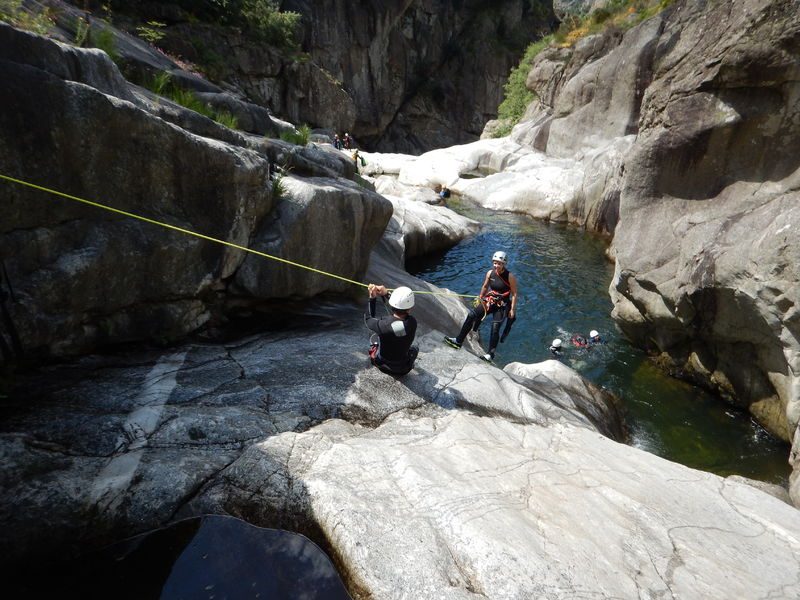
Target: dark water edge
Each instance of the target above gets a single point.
(211, 557)
(564, 278)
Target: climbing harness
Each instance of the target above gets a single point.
(497, 299)
(206, 237)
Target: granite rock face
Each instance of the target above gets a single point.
(680, 138)
(422, 74)
(83, 277)
(707, 246)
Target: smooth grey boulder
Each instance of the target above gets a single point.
(328, 224)
(84, 65)
(486, 507)
(249, 117)
(417, 228)
(566, 388)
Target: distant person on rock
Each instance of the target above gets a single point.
(347, 141)
(444, 194)
(498, 297)
(337, 142)
(358, 158)
(391, 346)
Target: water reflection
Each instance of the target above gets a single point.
(564, 277)
(212, 557)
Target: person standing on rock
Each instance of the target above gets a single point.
(391, 346)
(347, 140)
(498, 297)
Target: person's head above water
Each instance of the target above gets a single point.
(556, 343)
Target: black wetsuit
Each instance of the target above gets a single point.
(500, 289)
(395, 354)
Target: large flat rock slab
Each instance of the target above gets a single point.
(454, 505)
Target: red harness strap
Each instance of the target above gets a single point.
(493, 298)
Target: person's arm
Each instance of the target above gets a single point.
(370, 320)
(485, 286)
(512, 283)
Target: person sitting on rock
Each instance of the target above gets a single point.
(391, 346)
(498, 297)
(444, 194)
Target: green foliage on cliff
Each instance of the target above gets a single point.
(263, 18)
(300, 136)
(622, 14)
(162, 85)
(259, 19)
(14, 13)
(517, 97)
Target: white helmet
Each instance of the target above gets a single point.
(593, 333)
(556, 343)
(402, 298)
(501, 256)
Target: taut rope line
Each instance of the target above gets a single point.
(204, 237)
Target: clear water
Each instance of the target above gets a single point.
(563, 280)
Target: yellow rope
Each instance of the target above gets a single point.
(201, 236)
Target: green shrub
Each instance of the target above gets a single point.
(187, 99)
(264, 19)
(278, 187)
(104, 40)
(81, 32)
(13, 13)
(160, 83)
(300, 136)
(152, 32)
(600, 16)
(517, 97)
(223, 117)
(616, 13)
